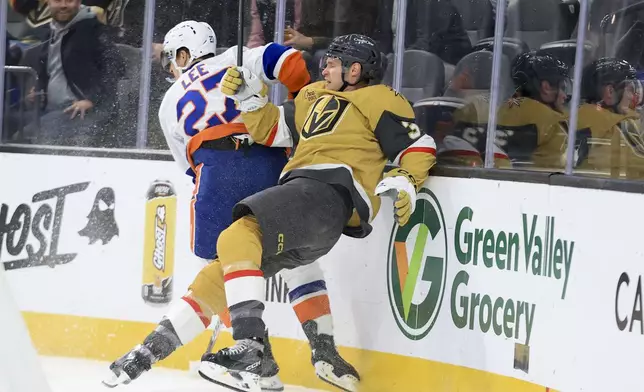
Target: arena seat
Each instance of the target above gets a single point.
(478, 19)
(512, 47)
(473, 76)
(423, 75)
(535, 22)
(565, 51)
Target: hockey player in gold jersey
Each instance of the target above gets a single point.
(531, 126)
(346, 128)
(464, 145)
(609, 133)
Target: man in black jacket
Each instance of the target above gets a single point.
(78, 72)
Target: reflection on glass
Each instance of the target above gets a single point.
(453, 103)
(531, 127)
(446, 69)
(609, 134)
(538, 49)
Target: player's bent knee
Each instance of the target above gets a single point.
(302, 275)
(240, 246)
(207, 289)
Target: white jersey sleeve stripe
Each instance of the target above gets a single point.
(280, 134)
(424, 144)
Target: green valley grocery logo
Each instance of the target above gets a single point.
(416, 285)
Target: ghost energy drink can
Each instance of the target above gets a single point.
(158, 251)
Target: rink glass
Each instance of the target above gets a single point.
(458, 81)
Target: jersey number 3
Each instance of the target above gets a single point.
(199, 103)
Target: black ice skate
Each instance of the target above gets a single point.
(329, 366)
(238, 368)
(130, 366)
(156, 346)
(269, 379)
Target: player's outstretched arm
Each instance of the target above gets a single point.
(267, 124)
(411, 150)
(278, 63)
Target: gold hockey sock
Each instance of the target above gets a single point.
(240, 251)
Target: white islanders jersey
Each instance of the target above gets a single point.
(194, 102)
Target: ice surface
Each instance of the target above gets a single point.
(79, 375)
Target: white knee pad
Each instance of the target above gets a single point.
(302, 275)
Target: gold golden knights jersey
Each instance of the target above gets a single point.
(465, 145)
(345, 139)
(609, 142)
(530, 131)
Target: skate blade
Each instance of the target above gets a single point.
(268, 384)
(346, 383)
(241, 382)
(114, 380)
(271, 384)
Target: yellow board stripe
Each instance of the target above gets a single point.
(107, 339)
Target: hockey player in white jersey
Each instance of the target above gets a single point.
(210, 143)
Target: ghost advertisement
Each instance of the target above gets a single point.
(30, 232)
(101, 224)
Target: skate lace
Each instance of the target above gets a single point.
(238, 348)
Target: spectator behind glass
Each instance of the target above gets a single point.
(436, 26)
(323, 20)
(38, 14)
(78, 70)
(262, 14)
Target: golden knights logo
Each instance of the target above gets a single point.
(514, 102)
(633, 136)
(324, 116)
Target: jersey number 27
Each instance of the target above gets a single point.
(199, 103)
